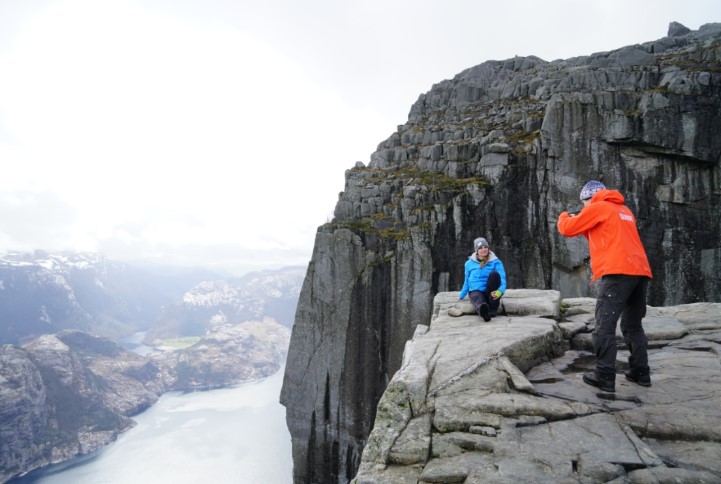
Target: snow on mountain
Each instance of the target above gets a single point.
(43, 292)
(214, 293)
(255, 289)
(60, 262)
(211, 304)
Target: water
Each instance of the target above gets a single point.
(234, 435)
(134, 343)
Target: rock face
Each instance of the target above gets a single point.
(499, 151)
(54, 407)
(476, 402)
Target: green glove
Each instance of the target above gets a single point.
(496, 294)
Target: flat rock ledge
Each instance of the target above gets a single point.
(504, 401)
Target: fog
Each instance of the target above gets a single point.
(217, 133)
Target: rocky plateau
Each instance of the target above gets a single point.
(504, 402)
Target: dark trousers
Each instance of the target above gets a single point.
(479, 297)
(625, 297)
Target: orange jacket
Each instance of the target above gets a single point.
(613, 239)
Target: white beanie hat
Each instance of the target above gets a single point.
(479, 242)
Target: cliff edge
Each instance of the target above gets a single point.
(472, 404)
(499, 151)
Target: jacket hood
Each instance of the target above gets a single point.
(613, 196)
(491, 256)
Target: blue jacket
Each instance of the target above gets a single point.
(477, 276)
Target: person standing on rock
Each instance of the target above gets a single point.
(485, 280)
(619, 260)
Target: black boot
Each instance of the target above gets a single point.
(640, 377)
(493, 307)
(606, 383)
(483, 312)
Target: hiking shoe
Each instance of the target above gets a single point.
(483, 311)
(638, 378)
(603, 383)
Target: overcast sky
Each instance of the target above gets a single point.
(217, 132)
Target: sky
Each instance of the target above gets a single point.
(217, 133)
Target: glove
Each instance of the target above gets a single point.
(496, 294)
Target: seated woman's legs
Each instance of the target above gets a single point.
(494, 282)
(477, 299)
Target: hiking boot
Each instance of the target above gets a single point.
(483, 312)
(605, 383)
(638, 378)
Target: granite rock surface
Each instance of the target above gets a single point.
(476, 402)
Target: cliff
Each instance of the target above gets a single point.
(504, 401)
(499, 151)
(57, 403)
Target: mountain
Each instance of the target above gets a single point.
(55, 405)
(271, 293)
(227, 354)
(69, 389)
(45, 293)
(71, 393)
(500, 151)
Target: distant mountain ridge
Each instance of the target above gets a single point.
(44, 293)
(270, 293)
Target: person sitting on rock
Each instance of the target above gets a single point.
(485, 280)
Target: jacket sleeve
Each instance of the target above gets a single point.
(464, 290)
(502, 272)
(581, 223)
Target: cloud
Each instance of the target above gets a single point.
(193, 135)
(26, 217)
(216, 131)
